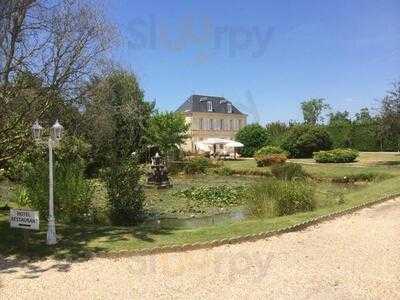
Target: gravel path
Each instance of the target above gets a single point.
(354, 256)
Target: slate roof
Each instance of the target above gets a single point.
(198, 103)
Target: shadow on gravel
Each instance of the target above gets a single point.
(19, 250)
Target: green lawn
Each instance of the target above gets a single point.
(80, 241)
(367, 162)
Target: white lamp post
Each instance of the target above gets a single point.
(56, 132)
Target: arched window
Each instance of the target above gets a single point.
(201, 123)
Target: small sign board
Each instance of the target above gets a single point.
(24, 218)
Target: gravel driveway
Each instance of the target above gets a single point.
(354, 256)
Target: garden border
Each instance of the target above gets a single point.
(243, 238)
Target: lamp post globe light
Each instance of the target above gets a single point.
(56, 132)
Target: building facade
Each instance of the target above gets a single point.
(210, 117)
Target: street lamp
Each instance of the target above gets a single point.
(56, 132)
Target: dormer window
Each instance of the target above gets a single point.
(229, 108)
(209, 106)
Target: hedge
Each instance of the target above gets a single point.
(336, 156)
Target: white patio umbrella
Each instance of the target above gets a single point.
(234, 144)
(216, 141)
(203, 147)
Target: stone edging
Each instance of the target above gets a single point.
(243, 238)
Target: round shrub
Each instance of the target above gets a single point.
(270, 150)
(253, 137)
(270, 155)
(336, 156)
(288, 171)
(303, 140)
(265, 160)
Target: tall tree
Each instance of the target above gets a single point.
(253, 137)
(116, 117)
(339, 117)
(168, 131)
(48, 51)
(313, 109)
(276, 132)
(390, 116)
(363, 116)
(365, 134)
(339, 128)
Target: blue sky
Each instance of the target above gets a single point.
(265, 56)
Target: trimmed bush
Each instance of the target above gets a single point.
(288, 171)
(270, 159)
(270, 155)
(336, 156)
(279, 198)
(270, 150)
(303, 140)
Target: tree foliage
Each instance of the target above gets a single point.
(116, 119)
(313, 109)
(390, 116)
(168, 131)
(125, 192)
(276, 132)
(48, 51)
(73, 194)
(253, 137)
(303, 140)
(340, 129)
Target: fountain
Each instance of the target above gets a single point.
(158, 174)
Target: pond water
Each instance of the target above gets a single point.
(189, 223)
(328, 193)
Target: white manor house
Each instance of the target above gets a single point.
(210, 117)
